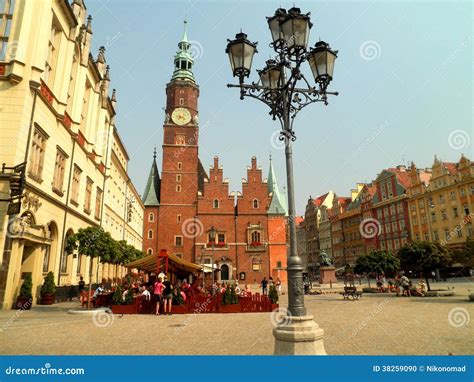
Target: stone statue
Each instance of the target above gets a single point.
(167, 118)
(324, 259)
(196, 120)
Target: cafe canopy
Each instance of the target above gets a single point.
(166, 262)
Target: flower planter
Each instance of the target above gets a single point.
(47, 298)
(179, 309)
(275, 307)
(231, 308)
(124, 309)
(23, 303)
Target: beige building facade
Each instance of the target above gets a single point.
(57, 117)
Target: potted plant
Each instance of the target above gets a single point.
(123, 303)
(273, 296)
(25, 298)
(230, 301)
(48, 290)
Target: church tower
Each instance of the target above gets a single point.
(180, 166)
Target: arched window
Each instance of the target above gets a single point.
(216, 203)
(255, 237)
(150, 251)
(151, 217)
(150, 234)
(255, 203)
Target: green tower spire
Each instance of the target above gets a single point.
(183, 59)
(278, 203)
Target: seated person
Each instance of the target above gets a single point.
(421, 287)
(99, 290)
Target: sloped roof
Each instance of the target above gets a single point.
(151, 195)
(320, 199)
(202, 175)
(451, 167)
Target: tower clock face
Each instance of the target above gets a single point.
(181, 116)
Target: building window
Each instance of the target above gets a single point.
(38, 147)
(88, 198)
(379, 214)
(6, 15)
(178, 241)
(72, 82)
(46, 259)
(459, 231)
(178, 188)
(255, 237)
(462, 192)
(149, 251)
(181, 101)
(242, 275)
(76, 181)
(178, 218)
(78, 267)
(469, 230)
(151, 217)
(98, 202)
(452, 195)
(447, 236)
(441, 198)
(255, 203)
(178, 177)
(426, 237)
(52, 58)
(180, 165)
(421, 204)
(436, 235)
(216, 203)
(59, 170)
(279, 264)
(220, 238)
(85, 107)
(433, 217)
(150, 234)
(466, 210)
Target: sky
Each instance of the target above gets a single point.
(404, 75)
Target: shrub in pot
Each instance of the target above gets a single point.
(48, 290)
(273, 296)
(25, 298)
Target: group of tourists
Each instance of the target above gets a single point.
(267, 284)
(401, 285)
(163, 294)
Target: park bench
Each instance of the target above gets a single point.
(351, 291)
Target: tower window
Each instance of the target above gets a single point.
(216, 203)
(178, 241)
(178, 177)
(178, 188)
(180, 165)
(255, 203)
(178, 218)
(150, 234)
(183, 65)
(150, 251)
(151, 217)
(181, 101)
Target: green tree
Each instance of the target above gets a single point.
(424, 256)
(27, 287)
(93, 242)
(377, 262)
(465, 255)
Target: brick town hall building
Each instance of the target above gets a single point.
(182, 205)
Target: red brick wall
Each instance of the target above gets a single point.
(147, 225)
(277, 246)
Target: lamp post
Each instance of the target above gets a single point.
(285, 90)
(212, 237)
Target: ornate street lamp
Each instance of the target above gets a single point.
(297, 334)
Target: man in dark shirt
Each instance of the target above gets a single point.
(168, 295)
(264, 284)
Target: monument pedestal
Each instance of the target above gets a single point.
(298, 336)
(327, 275)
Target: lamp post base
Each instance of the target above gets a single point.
(298, 336)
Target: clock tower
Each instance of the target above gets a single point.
(180, 171)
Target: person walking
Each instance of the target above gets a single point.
(405, 283)
(168, 295)
(81, 288)
(158, 294)
(264, 285)
(278, 286)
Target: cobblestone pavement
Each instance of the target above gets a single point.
(376, 324)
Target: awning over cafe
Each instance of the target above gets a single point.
(151, 263)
